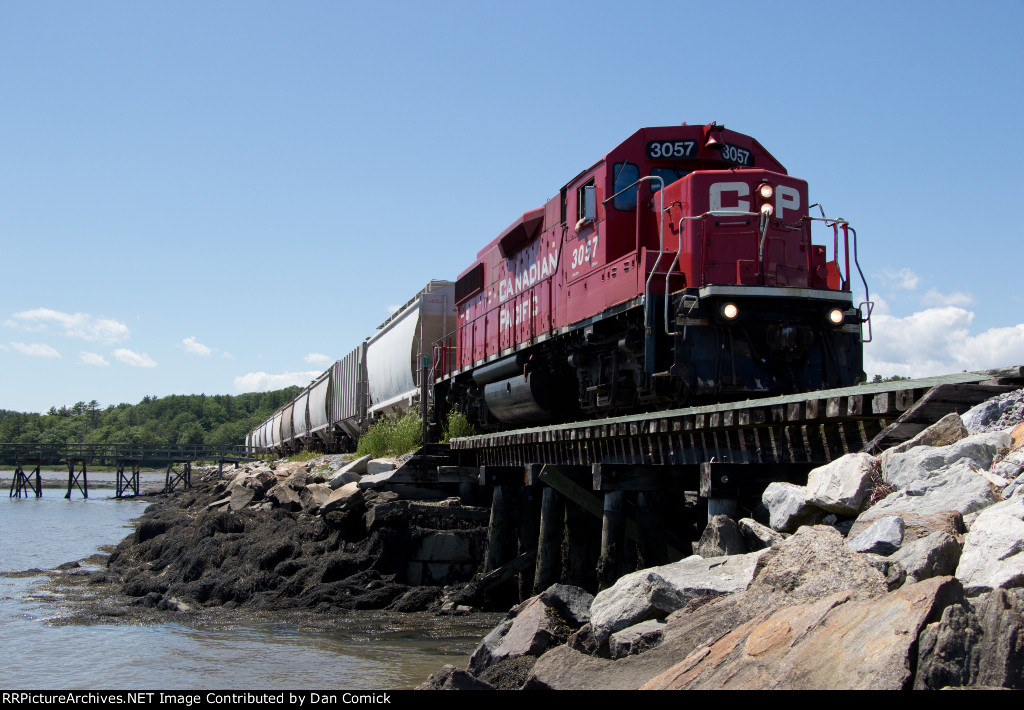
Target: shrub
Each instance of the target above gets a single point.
(392, 438)
(457, 426)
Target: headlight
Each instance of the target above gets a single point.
(765, 191)
(836, 316)
(730, 311)
(766, 208)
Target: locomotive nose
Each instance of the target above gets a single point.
(789, 341)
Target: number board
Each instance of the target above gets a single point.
(736, 155)
(671, 150)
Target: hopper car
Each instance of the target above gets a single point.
(678, 269)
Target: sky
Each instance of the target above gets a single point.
(225, 197)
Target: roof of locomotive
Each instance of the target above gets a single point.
(640, 137)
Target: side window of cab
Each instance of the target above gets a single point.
(625, 174)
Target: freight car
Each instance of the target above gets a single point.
(677, 269)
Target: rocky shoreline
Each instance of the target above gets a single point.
(294, 535)
(899, 571)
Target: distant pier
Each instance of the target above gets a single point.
(127, 460)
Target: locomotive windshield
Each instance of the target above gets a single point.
(669, 175)
(628, 173)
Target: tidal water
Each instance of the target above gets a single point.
(362, 650)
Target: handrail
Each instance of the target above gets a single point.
(72, 451)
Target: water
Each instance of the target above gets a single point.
(42, 650)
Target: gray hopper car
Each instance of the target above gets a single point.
(382, 376)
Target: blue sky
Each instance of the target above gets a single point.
(227, 196)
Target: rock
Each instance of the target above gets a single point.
(721, 537)
(916, 525)
(811, 564)
(298, 479)
(799, 647)
(893, 572)
(1000, 412)
(758, 536)
(993, 554)
(884, 537)
(340, 479)
(572, 603)
(842, 486)
(925, 462)
(379, 466)
(376, 480)
(529, 629)
(285, 497)
(314, 496)
(509, 674)
(1011, 467)
(788, 507)
(583, 640)
(948, 430)
(347, 497)
(975, 646)
(658, 591)
(357, 466)
(936, 555)
(956, 488)
(636, 639)
(452, 678)
(241, 496)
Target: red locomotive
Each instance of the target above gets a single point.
(678, 269)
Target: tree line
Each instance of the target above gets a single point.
(156, 421)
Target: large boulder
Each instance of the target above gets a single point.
(925, 462)
(980, 645)
(993, 554)
(916, 525)
(656, 592)
(757, 536)
(936, 555)
(948, 430)
(789, 508)
(834, 643)
(959, 487)
(811, 564)
(1000, 412)
(884, 537)
(452, 678)
(721, 537)
(842, 486)
(532, 627)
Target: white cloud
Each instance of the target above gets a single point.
(957, 298)
(904, 279)
(35, 349)
(227, 356)
(93, 359)
(133, 358)
(73, 325)
(264, 382)
(938, 341)
(318, 359)
(196, 348)
(393, 309)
